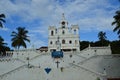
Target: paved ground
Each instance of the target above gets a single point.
(68, 68)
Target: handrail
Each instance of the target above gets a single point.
(38, 56)
(97, 73)
(87, 59)
(81, 56)
(84, 49)
(20, 60)
(3, 75)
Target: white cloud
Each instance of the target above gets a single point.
(42, 31)
(88, 14)
(4, 29)
(50, 11)
(36, 41)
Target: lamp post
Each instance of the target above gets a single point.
(17, 55)
(28, 60)
(17, 52)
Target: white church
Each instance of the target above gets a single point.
(68, 36)
(92, 63)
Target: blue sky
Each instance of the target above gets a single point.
(92, 16)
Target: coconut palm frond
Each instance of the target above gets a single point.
(20, 37)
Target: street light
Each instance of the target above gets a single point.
(28, 60)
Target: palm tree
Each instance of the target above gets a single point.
(2, 46)
(102, 39)
(2, 16)
(102, 36)
(116, 22)
(19, 38)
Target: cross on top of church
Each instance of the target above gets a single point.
(63, 16)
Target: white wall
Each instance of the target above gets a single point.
(91, 51)
(67, 36)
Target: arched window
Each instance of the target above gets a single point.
(52, 33)
(63, 32)
(75, 31)
(70, 42)
(56, 31)
(63, 41)
(76, 42)
(63, 24)
(56, 42)
(51, 42)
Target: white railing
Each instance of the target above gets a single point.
(5, 59)
(7, 73)
(86, 69)
(87, 59)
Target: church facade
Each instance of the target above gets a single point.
(68, 37)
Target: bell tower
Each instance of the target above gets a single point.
(63, 21)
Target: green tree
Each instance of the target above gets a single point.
(20, 37)
(102, 39)
(84, 44)
(116, 22)
(2, 46)
(115, 47)
(2, 16)
(102, 36)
